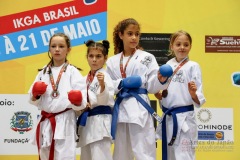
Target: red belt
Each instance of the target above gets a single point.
(51, 117)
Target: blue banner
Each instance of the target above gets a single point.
(36, 40)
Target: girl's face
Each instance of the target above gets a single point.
(96, 59)
(130, 37)
(59, 50)
(181, 47)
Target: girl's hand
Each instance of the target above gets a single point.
(88, 107)
(100, 77)
(161, 78)
(192, 88)
(158, 95)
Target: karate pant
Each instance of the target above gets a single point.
(184, 150)
(65, 149)
(134, 141)
(99, 150)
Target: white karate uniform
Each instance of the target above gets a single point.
(95, 137)
(65, 131)
(178, 95)
(132, 115)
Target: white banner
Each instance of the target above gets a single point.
(215, 129)
(18, 121)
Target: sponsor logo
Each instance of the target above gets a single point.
(21, 122)
(204, 115)
(222, 44)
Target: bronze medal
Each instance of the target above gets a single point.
(164, 93)
(55, 94)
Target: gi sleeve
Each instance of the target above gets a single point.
(196, 76)
(36, 102)
(153, 84)
(78, 83)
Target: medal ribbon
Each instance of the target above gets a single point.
(63, 69)
(89, 80)
(175, 71)
(123, 70)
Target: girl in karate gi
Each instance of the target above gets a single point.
(55, 135)
(95, 123)
(135, 133)
(179, 129)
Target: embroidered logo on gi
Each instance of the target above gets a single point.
(21, 122)
(146, 60)
(204, 115)
(178, 77)
(94, 87)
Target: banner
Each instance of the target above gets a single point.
(28, 33)
(18, 121)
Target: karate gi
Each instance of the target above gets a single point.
(135, 135)
(179, 96)
(65, 131)
(95, 137)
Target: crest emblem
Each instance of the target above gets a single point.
(21, 122)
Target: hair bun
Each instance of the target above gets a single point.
(89, 42)
(106, 44)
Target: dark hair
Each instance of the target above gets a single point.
(103, 47)
(173, 38)
(120, 27)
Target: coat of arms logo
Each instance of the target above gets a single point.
(21, 122)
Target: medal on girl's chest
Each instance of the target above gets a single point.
(164, 93)
(55, 93)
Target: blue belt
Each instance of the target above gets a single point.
(82, 119)
(127, 93)
(172, 112)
